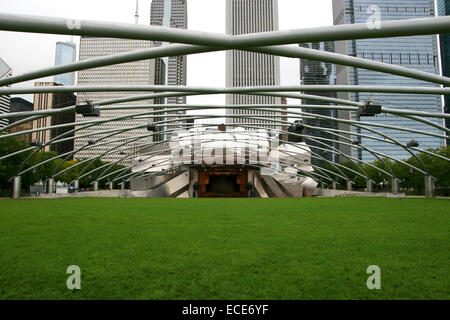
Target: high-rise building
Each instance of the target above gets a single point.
(417, 52)
(160, 79)
(21, 105)
(65, 53)
(5, 71)
(444, 10)
(319, 73)
(171, 14)
(132, 73)
(47, 101)
(248, 68)
(169, 70)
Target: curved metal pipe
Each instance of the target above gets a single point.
(222, 116)
(220, 42)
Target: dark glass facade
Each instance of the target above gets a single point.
(160, 79)
(319, 73)
(444, 10)
(416, 52)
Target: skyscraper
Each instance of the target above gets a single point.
(5, 71)
(417, 52)
(160, 79)
(320, 73)
(47, 101)
(65, 53)
(170, 14)
(247, 68)
(444, 10)
(169, 70)
(21, 105)
(132, 73)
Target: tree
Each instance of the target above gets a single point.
(11, 166)
(409, 178)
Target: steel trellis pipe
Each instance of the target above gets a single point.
(52, 25)
(204, 40)
(350, 158)
(253, 116)
(177, 50)
(289, 112)
(220, 90)
(247, 142)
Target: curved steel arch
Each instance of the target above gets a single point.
(251, 134)
(217, 90)
(146, 145)
(352, 159)
(345, 178)
(52, 25)
(221, 116)
(204, 42)
(102, 176)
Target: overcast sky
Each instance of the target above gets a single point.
(26, 52)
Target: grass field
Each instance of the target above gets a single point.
(225, 248)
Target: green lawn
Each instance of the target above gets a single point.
(225, 248)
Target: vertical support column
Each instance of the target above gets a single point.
(395, 185)
(334, 185)
(95, 185)
(429, 187)
(76, 184)
(122, 185)
(111, 186)
(17, 186)
(322, 185)
(51, 185)
(369, 185)
(349, 185)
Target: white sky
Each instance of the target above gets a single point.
(26, 52)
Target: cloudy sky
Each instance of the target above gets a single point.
(26, 52)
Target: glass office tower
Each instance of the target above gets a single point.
(417, 52)
(169, 70)
(444, 10)
(5, 71)
(65, 53)
(312, 73)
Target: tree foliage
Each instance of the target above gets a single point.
(409, 178)
(10, 167)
